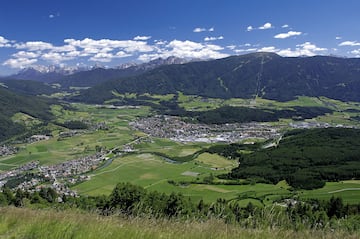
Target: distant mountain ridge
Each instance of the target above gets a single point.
(265, 75)
(88, 76)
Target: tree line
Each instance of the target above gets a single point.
(131, 200)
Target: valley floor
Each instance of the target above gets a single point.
(31, 223)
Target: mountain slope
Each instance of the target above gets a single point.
(12, 103)
(28, 87)
(265, 75)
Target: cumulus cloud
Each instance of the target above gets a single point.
(186, 49)
(56, 57)
(199, 29)
(126, 45)
(249, 28)
(268, 49)
(356, 52)
(285, 26)
(266, 26)
(305, 49)
(106, 50)
(34, 46)
(25, 54)
(338, 38)
(231, 47)
(142, 38)
(19, 62)
(213, 38)
(239, 51)
(4, 42)
(349, 43)
(51, 16)
(287, 35)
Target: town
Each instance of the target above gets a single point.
(174, 128)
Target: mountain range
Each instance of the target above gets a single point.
(265, 75)
(83, 76)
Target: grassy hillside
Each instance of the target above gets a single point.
(27, 223)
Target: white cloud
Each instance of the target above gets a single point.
(160, 42)
(213, 38)
(186, 49)
(106, 50)
(34, 46)
(305, 49)
(198, 29)
(19, 62)
(245, 50)
(349, 43)
(25, 54)
(338, 38)
(4, 42)
(56, 57)
(285, 26)
(129, 46)
(142, 38)
(201, 29)
(266, 26)
(121, 54)
(249, 28)
(356, 52)
(268, 49)
(51, 16)
(231, 47)
(288, 34)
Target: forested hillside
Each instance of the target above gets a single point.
(266, 75)
(306, 158)
(12, 103)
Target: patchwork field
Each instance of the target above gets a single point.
(147, 167)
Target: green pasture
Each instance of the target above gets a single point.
(349, 191)
(153, 173)
(169, 147)
(216, 161)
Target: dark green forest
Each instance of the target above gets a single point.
(305, 158)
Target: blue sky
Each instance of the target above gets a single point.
(112, 32)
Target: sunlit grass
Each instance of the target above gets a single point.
(44, 224)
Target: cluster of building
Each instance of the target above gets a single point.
(174, 128)
(36, 138)
(59, 175)
(71, 168)
(7, 150)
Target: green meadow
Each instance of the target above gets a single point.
(24, 223)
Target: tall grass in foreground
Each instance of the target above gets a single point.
(29, 223)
